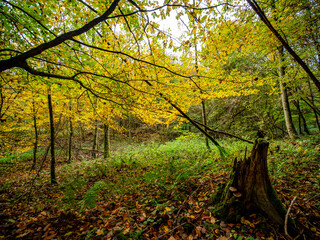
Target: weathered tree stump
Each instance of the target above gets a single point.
(249, 189)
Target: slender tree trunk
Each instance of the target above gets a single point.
(107, 153)
(70, 140)
(83, 134)
(36, 136)
(203, 104)
(284, 97)
(204, 122)
(302, 120)
(95, 137)
(312, 102)
(129, 126)
(300, 128)
(52, 138)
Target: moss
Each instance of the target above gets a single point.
(216, 197)
(227, 207)
(276, 202)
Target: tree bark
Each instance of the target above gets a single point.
(107, 153)
(20, 60)
(95, 138)
(301, 118)
(284, 97)
(312, 102)
(70, 140)
(129, 126)
(204, 121)
(36, 136)
(249, 189)
(52, 138)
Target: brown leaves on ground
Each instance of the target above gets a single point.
(181, 212)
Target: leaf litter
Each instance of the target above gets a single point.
(144, 201)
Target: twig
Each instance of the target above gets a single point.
(287, 216)
(312, 197)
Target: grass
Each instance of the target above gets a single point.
(146, 189)
(15, 157)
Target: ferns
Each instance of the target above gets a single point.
(90, 198)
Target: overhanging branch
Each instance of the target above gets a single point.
(223, 133)
(254, 5)
(19, 60)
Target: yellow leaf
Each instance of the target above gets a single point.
(68, 234)
(166, 229)
(99, 232)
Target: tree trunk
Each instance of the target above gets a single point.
(304, 122)
(203, 105)
(36, 136)
(70, 140)
(129, 126)
(284, 97)
(204, 121)
(250, 189)
(53, 161)
(106, 142)
(300, 128)
(312, 102)
(95, 137)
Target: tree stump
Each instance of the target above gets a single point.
(249, 189)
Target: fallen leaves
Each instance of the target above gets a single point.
(151, 210)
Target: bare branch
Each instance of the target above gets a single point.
(223, 133)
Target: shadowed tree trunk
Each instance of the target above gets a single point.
(95, 139)
(312, 102)
(70, 139)
(106, 142)
(36, 135)
(301, 119)
(129, 126)
(204, 121)
(249, 189)
(53, 161)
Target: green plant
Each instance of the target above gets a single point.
(90, 198)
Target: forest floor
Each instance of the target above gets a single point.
(153, 191)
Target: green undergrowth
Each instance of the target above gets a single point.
(12, 158)
(161, 167)
(167, 167)
(293, 165)
(150, 188)
(15, 157)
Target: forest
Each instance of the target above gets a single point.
(172, 119)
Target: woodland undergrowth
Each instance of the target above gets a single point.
(153, 191)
